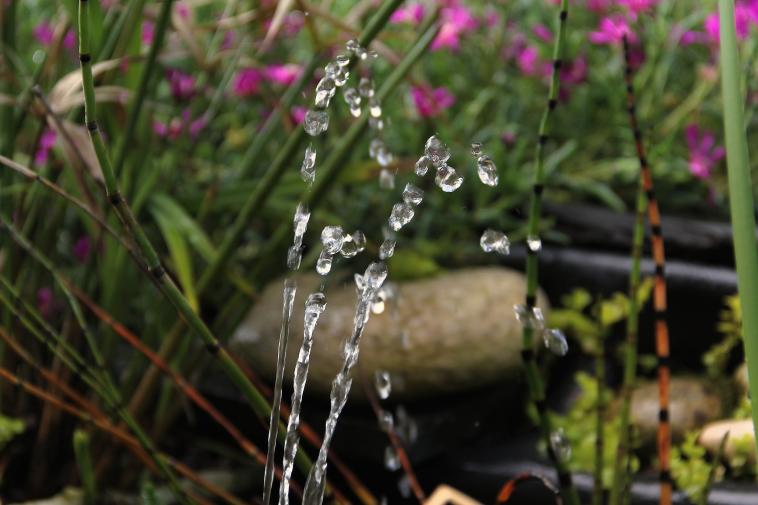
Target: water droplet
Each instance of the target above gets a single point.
(476, 149)
(376, 123)
(349, 247)
(495, 241)
(448, 179)
(354, 47)
(529, 319)
(404, 486)
(308, 170)
(315, 305)
(534, 243)
(301, 218)
(560, 445)
(487, 171)
(331, 238)
(378, 306)
(383, 384)
(386, 421)
(386, 179)
(391, 461)
(412, 194)
(360, 240)
(374, 146)
(423, 165)
(324, 263)
(342, 60)
(340, 79)
(374, 107)
(387, 249)
(375, 275)
(436, 151)
(355, 111)
(325, 90)
(366, 87)
(555, 340)
(294, 257)
(352, 97)
(402, 213)
(359, 284)
(384, 156)
(316, 122)
(332, 69)
(405, 426)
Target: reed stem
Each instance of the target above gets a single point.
(84, 461)
(536, 387)
(740, 193)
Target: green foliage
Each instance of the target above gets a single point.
(9, 429)
(690, 467)
(717, 357)
(580, 429)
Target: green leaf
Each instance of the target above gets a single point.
(189, 228)
(407, 265)
(9, 428)
(180, 253)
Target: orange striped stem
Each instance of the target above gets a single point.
(659, 291)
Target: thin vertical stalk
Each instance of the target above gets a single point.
(84, 462)
(597, 490)
(740, 193)
(630, 351)
(536, 387)
(659, 291)
(144, 81)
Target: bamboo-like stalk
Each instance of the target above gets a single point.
(659, 290)
(535, 384)
(84, 462)
(630, 351)
(144, 81)
(252, 206)
(740, 193)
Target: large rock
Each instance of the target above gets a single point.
(692, 403)
(740, 434)
(445, 334)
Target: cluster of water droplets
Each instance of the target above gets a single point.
(436, 155)
(553, 338)
(485, 167)
(335, 241)
(300, 221)
(495, 241)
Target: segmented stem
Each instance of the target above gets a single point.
(659, 291)
(534, 381)
(620, 465)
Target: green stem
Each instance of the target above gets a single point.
(740, 193)
(597, 490)
(630, 351)
(84, 461)
(534, 380)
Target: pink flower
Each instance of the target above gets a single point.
(703, 153)
(170, 130)
(46, 143)
(197, 126)
(431, 102)
(542, 32)
(527, 60)
(413, 13)
(456, 20)
(246, 82)
(508, 138)
(148, 31)
(81, 249)
(744, 15)
(69, 40)
(612, 30)
(297, 114)
(283, 74)
(574, 71)
(44, 34)
(182, 85)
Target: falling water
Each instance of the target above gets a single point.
(314, 307)
(372, 280)
(290, 288)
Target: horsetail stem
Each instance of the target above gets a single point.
(98, 376)
(740, 192)
(620, 465)
(659, 290)
(84, 462)
(536, 388)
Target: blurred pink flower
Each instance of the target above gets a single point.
(638, 6)
(599, 5)
(297, 114)
(44, 34)
(527, 59)
(182, 84)
(282, 74)
(430, 102)
(46, 302)
(46, 143)
(196, 126)
(508, 138)
(542, 32)
(612, 30)
(704, 155)
(574, 71)
(69, 40)
(81, 249)
(148, 30)
(228, 40)
(456, 20)
(170, 130)
(412, 13)
(182, 9)
(246, 82)
(745, 13)
(492, 18)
